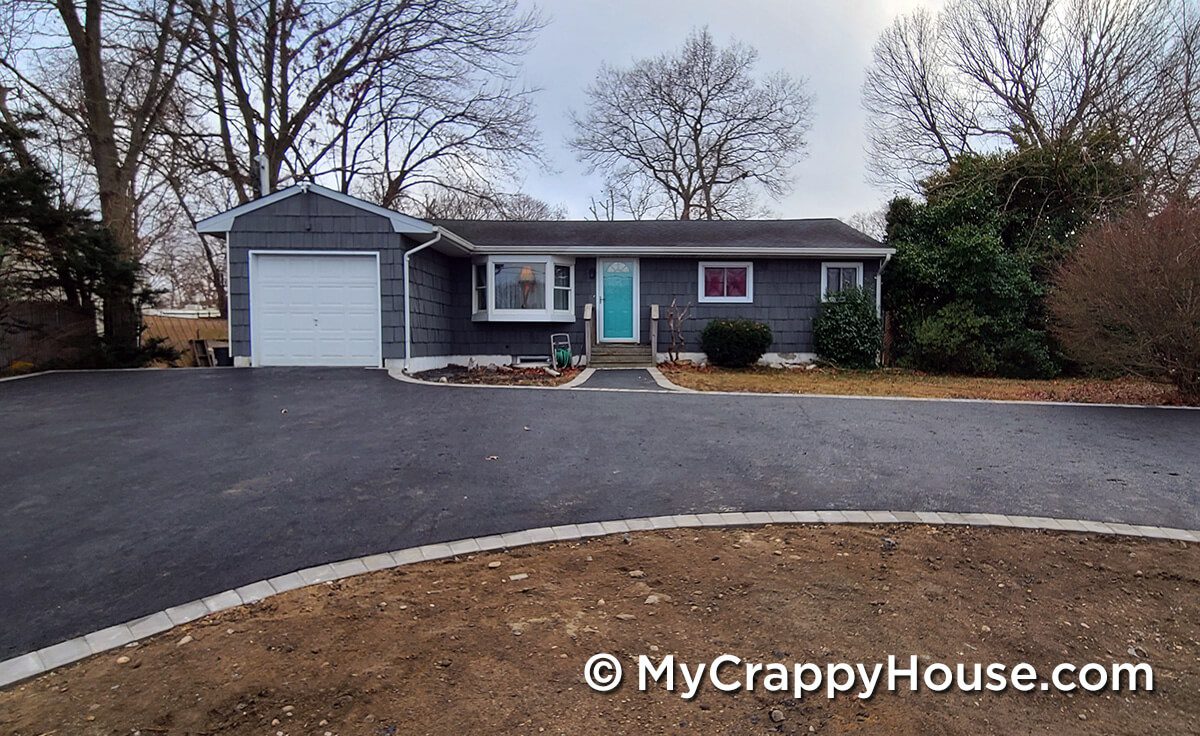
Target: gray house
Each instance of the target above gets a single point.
(317, 277)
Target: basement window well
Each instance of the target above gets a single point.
(523, 289)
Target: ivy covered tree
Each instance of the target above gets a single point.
(975, 260)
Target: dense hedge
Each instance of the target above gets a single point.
(846, 331)
(735, 343)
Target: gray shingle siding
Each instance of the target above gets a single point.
(786, 296)
(312, 222)
(442, 323)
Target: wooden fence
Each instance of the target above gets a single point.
(45, 334)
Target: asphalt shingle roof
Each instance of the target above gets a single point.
(815, 233)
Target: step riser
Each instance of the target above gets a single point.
(620, 363)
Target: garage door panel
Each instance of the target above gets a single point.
(315, 309)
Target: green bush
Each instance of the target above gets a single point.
(962, 301)
(846, 331)
(735, 343)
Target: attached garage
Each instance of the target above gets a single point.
(315, 308)
(315, 278)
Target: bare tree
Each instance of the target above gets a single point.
(458, 205)
(989, 74)
(871, 222)
(379, 97)
(108, 68)
(696, 128)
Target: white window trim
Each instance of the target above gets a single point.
(548, 314)
(748, 299)
(826, 265)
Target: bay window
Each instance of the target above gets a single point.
(524, 289)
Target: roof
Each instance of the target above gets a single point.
(222, 223)
(818, 236)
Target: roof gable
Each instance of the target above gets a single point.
(222, 223)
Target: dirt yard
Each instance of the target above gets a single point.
(461, 647)
(494, 376)
(895, 382)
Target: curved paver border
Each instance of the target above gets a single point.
(48, 658)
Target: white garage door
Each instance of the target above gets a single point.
(314, 309)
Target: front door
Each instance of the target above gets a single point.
(618, 287)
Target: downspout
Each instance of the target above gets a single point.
(879, 286)
(407, 293)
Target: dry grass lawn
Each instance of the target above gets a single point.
(460, 647)
(895, 382)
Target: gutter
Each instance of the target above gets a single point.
(408, 254)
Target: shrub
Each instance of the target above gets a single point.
(962, 301)
(1126, 300)
(846, 331)
(735, 343)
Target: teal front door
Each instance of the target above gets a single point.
(618, 300)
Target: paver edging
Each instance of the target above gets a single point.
(33, 664)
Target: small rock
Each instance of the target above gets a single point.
(985, 629)
(1136, 651)
(494, 564)
(518, 576)
(636, 574)
(626, 616)
(656, 598)
(1083, 716)
(776, 715)
(122, 659)
(274, 721)
(443, 663)
(289, 708)
(889, 544)
(187, 639)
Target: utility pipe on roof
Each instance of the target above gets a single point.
(408, 254)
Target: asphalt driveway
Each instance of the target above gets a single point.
(124, 493)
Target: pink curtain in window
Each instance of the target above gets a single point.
(714, 282)
(735, 282)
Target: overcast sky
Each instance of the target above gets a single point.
(827, 42)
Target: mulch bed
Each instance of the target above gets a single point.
(497, 376)
(460, 647)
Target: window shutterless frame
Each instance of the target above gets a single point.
(546, 313)
(747, 299)
(826, 265)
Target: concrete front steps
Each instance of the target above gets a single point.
(618, 355)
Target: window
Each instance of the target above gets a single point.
(481, 303)
(838, 276)
(562, 287)
(520, 285)
(524, 289)
(728, 282)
